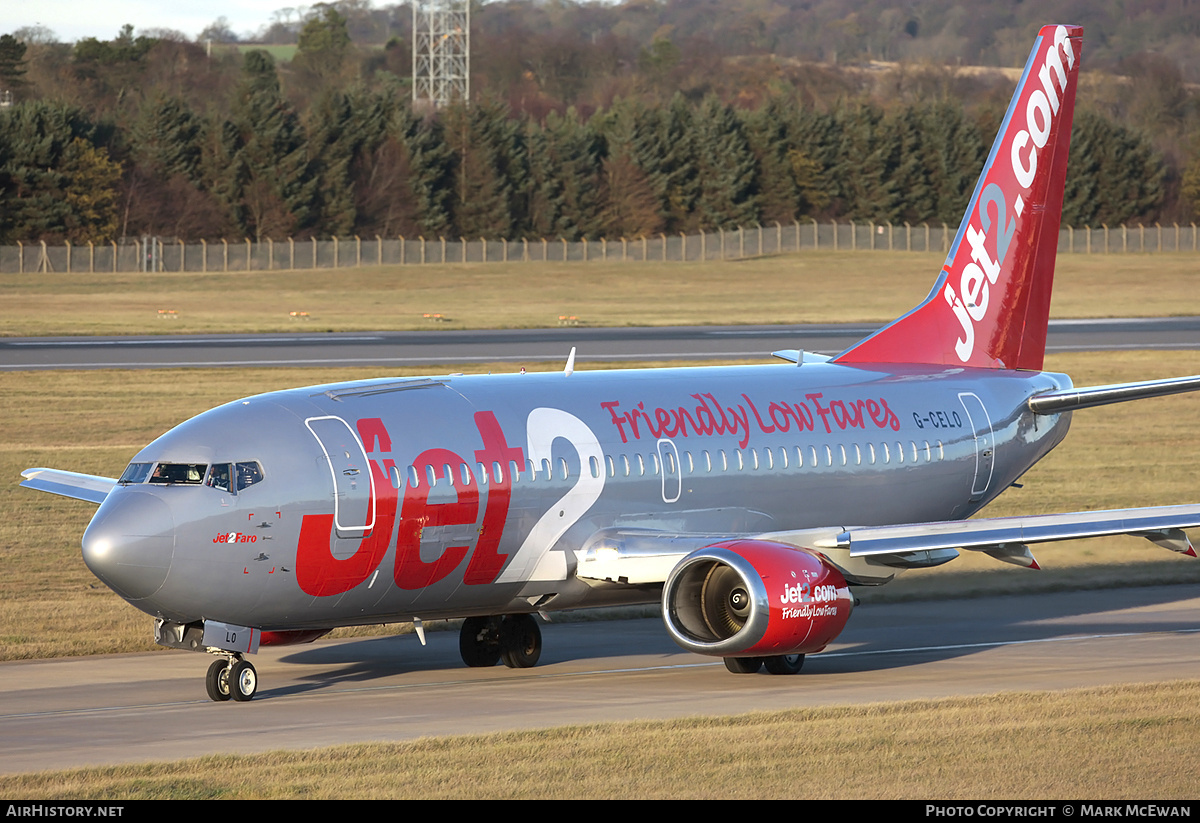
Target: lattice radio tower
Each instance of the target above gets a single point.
(441, 51)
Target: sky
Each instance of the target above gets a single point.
(73, 20)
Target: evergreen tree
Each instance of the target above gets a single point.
(630, 206)
(332, 144)
(725, 167)
(564, 177)
(12, 64)
(261, 166)
(917, 166)
(661, 145)
(1114, 175)
(168, 135)
(489, 171)
(864, 174)
(768, 136)
(323, 45)
(51, 186)
(90, 193)
(959, 151)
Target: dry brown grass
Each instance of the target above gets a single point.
(1130, 742)
(811, 287)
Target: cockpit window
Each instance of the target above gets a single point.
(135, 473)
(248, 474)
(178, 473)
(220, 477)
(224, 476)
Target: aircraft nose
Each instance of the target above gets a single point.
(129, 543)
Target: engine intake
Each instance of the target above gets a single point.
(755, 598)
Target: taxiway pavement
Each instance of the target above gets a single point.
(134, 708)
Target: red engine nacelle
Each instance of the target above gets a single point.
(750, 598)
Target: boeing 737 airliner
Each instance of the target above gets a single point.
(747, 500)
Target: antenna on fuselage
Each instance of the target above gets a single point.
(570, 369)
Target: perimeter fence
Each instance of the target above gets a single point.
(155, 254)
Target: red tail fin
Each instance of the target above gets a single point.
(991, 304)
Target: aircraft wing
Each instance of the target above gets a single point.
(89, 487)
(642, 558)
(1007, 538)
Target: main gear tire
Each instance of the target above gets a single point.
(479, 642)
(216, 682)
(743, 665)
(521, 641)
(784, 663)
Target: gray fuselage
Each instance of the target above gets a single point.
(384, 500)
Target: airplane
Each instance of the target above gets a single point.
(747, 500)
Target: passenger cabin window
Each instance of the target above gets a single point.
(181, 473)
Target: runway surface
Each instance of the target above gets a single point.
(517, 346)
(134, 708)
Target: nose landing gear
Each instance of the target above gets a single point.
(231, 677)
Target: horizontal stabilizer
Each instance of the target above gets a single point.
(1003, 535)
(1072, 399)
(87, 487)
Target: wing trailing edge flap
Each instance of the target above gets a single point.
(1007, 538)
(89, 487)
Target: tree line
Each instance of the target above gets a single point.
(152, 135)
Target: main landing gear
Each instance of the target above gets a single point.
(513, 638)
(776, 664)
(231, 677)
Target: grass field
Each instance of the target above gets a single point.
(1134, 742)
(811, 287)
